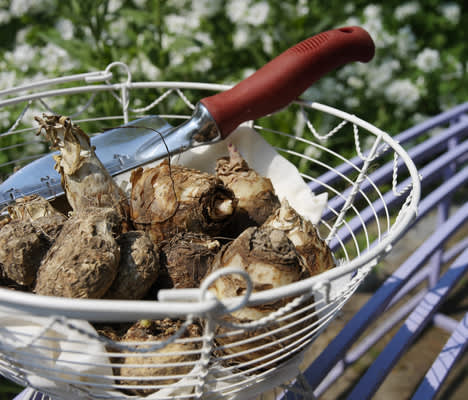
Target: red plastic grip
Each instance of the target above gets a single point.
(287, 76)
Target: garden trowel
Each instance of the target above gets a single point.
(147, 139)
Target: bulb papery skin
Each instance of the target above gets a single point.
(316, 255)
(168, 199)
(85, 180)
(27, 234)
(255, 193)
(271, 261)
(84, 259)
(185, 259)
(176, 358)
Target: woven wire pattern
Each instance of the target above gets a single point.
(227, 360)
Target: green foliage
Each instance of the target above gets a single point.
(8, 389)
(419, 68)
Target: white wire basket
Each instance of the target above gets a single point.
(52, 344)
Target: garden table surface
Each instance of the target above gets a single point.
(442, 162)
(439, 148)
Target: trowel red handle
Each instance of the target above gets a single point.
(287, 76)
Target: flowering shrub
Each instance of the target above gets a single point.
(419, 68)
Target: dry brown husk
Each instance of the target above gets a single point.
(33, 207)
(22, 248)
(271, 261)
(316, 254)
(83, 261)
(85, 180)
(33, 226)
(138, 267)
(185, 259)
(169, 199)
(256, 197)
(158, 330)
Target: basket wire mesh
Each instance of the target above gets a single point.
(58, 346)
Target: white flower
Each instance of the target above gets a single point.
(205, 8)
(368, 142)
(202, 65)
(118, 32)
(372, 11)
(21, 7)
(312, 151)
(4, 118)
(451, 11)
(352, 102)
(403, 93)
(247, 72)
(7, 79)
(22, 56)
(237, 9)
(175, 23)
(146, 67)
(55, 59)
(377, 31)
(65, 27)
(406, 10)
(299, 125)
(140, 3)
(31, 112)
(5, 17)
(428, 60)
(241, 37)
(257, 14)
(204, 38)
(406, 41)
(302, 8)
(379, 76)
(352, 21)
(181, 25)
(140, 39)
(114, 5)
(178, 4)
(21, 35)
(349, 8)
(454, 70)
(167, 41)
(178, 56)
(417, 118)
(176, 59)
(355, 82)
(267, 42)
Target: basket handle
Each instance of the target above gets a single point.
(283, 79)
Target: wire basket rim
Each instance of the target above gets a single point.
(83, 308)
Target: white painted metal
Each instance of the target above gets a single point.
(49, 343)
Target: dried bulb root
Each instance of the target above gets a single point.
(24, 240)
(176, 358)
(255, 193)
(22, 248)
(85, 180)
(271, 261)
(168, 199)
(185, 260)
(316, 255)
(33, 207)
(83, 261)
(138, 267)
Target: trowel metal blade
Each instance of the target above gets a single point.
(116, 148)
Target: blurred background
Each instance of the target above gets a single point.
(419, 70)
(420, 67)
